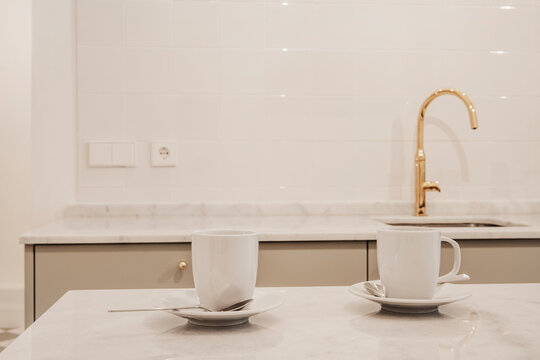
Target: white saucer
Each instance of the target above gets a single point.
(261, 302)
(410, 306)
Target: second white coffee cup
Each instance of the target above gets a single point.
(224, 266)
(409, 261)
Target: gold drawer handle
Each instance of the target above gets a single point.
(182, 264)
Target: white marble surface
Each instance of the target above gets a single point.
(499, 321)
(276, 221)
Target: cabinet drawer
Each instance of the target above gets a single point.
(314, 263)
(59, 268)
(486, 261)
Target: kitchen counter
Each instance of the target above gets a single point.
(497, 322)
(276, 221)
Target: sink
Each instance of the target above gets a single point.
(449, 224)
(444, 222)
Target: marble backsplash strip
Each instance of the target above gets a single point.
(387, 208)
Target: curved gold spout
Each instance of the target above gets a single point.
(421, 185)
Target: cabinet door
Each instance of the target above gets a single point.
(314, 263)
(59, 268)
(486, 261)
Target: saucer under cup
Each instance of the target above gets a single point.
(447, 295)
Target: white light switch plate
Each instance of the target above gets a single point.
(99, 154)
(111, 154)
(163, 153)
(123, 154)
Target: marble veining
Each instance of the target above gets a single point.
(382, 208)
(147, 223)
(499, 321)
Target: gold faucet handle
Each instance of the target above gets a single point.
(431, 186)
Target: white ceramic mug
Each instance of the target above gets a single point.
(409, 260)
(224, 266)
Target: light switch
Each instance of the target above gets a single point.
(99, 154)
(123, 154)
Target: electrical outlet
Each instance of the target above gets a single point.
(163, 153)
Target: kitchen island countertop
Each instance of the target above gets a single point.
(499, 321)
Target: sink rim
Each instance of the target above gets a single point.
(464, 222)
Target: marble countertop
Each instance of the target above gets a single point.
(276, 222)
(499, 321)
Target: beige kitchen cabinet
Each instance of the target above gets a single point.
(486, 261)
(53, 269)
(313, 263)
(59, 268)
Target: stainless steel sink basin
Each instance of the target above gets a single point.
(444, 222)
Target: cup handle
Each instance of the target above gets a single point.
(457, 259)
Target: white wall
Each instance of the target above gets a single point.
(37, 148)
(53, 109)
(309, 100)
(15, 149)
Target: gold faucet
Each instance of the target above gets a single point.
(421, 185)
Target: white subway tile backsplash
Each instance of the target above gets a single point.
(335, 118)
(197, 23)
(305, 100)
(108, 14)
(289, 118)
(291, 163)
(508, 165)
(384, 118)
(421, 27)
(240, 164)
(494, 73)
(493, 32)
(423, 73)
(149, 70)
(337, 164)
(242, 24)
(377, 27)
(385, 156)
(535, 169)
(288, 72)
(100, 116)
(243, 118)
(240, 194)
(100, 69)
(536, 21)
(503, 119)
(196, 117)
(195, 194)
(491, 3)
(242, 71)
(197, 71)
(333, 73)
(197, 164)
(148, 22)
(333, 26)
(288, 25)
(149, 195)
(458, 162)
(149, 116)
(97, 195)
(380, 73)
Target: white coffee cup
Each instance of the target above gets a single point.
(409, 261)
(224, 266)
